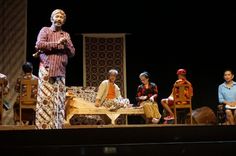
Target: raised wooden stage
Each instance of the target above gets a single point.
(99, 140)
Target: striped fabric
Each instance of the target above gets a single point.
(50, 101)
(13, 46)
(55, 55)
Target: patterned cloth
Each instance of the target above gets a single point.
(188, 91)
(50, 101)
(5, 87)
(102, 54)
(151, 109)
(150, 91)
(27, 76)
(52, 70)
(114, 104)
(82, 119)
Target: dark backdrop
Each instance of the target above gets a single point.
(162, 36)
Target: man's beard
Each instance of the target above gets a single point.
(58, 24)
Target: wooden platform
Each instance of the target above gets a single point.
(68, 126)
(15, 127)
(80, 106)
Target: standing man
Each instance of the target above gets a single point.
(54, 46)
(227, 96)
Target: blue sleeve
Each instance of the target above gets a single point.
(220, 94)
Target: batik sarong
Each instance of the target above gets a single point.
(50, 101)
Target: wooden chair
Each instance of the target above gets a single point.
(1, 98)
(28, 100)
(182, 99)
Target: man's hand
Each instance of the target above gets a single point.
(63, 41)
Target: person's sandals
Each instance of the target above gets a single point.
(155, 120)
(169, 118)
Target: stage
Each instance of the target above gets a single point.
(119, 140)
(141, 30)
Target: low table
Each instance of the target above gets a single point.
(79, 106)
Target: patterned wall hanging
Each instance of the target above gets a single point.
(102, 52)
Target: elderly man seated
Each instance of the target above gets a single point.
(108, 94)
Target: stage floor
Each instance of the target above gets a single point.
(68, 126)
(119, 140)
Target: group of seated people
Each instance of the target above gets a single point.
(109, 95)
(146, 97)
(27, 69)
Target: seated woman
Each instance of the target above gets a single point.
(227, 96)
(108, 94)
(147, 98)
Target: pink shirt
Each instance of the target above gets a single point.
(55, 56)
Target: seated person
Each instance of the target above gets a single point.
(5, 90)
(28, 70)
(108, 94)
(168, 102)
(147, 98)
(227, 96)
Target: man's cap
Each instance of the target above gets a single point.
(181, 72)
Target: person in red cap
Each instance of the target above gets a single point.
(181, 72)
(168, 102)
